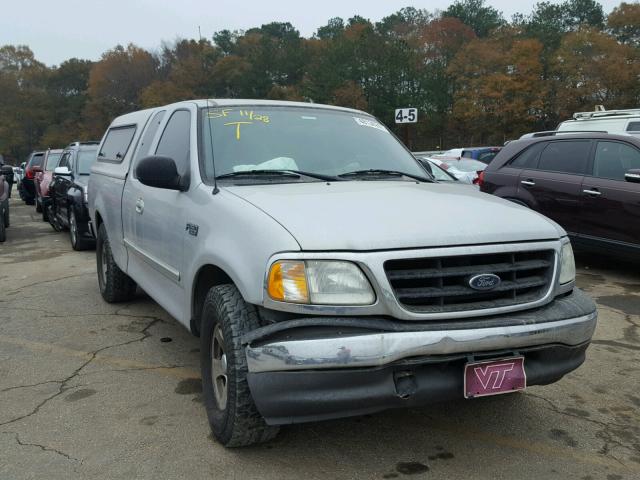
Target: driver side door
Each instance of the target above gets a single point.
(154, 217)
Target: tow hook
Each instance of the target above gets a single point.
(405, 382)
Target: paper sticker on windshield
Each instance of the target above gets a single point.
(365, 122)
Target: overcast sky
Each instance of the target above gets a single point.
(60, 29)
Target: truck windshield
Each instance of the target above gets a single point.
(85, 160)
(313, 140)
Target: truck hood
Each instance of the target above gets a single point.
(378, 215)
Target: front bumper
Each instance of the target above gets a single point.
(307, 396)
(316, 368)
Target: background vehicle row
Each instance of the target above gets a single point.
(587, 182)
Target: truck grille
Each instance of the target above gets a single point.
(432, 285)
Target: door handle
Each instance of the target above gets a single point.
(595, 193)
(528, 183)
(139, 206)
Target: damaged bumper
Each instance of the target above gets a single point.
(318, 368)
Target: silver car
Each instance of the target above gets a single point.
(324, 270)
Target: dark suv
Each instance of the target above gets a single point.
(589, 183)
(67, 207)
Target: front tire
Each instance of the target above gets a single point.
(77, 242)
(233, 416)
(115, 285)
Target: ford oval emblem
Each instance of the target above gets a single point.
(484, 281)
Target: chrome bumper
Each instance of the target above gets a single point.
(377, 349)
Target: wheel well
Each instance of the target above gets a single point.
(208, 276)
(98, 221)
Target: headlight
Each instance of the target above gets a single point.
(319, 282)
(567, 264)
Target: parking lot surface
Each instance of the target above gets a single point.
(91, 390)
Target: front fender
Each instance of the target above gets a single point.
(234, 236)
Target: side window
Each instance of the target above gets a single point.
(529, 157)
(633, 127)
(613, 159)
(175, 140)
(566, 156)
(64, 161)
(116, 144)
(148, 135)
(467, 154)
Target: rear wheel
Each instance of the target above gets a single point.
(38, 205)
(115, 285)
(7, 220)
(233, 416)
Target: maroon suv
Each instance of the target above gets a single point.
(589, 183)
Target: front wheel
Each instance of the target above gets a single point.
(233, 416)
(77, 242)
(115, 285)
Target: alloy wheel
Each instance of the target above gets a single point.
(103, 266)
(73, 228)
(219, 368)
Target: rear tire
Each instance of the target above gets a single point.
(115, 285)
(45, 214)
(232, 413)
(7, 219)
(38, 205)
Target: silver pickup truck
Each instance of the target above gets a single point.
(325, 271)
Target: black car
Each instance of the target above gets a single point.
(27, 187)
(587, 182)
(67, 208)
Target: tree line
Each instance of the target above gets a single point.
(476, 77)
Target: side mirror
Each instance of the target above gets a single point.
(62, 171)
(633, 175)
(160, 172)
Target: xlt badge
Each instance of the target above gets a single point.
(192, 228)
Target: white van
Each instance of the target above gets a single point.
(621, 122)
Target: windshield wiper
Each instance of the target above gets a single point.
(377, 172)
(282, 173)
